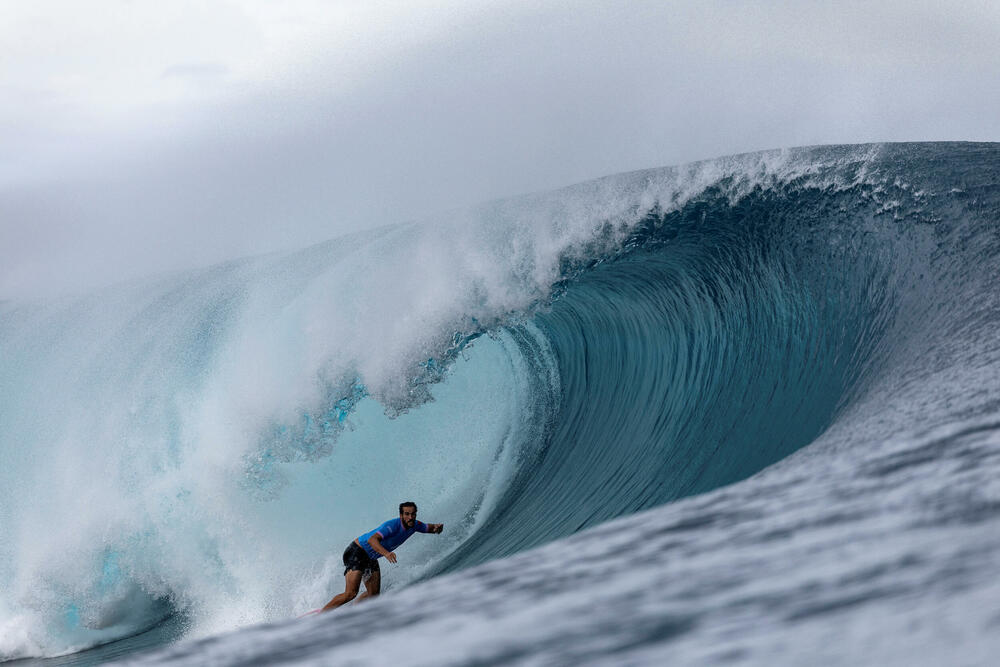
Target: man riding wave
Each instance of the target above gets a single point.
(361, 556)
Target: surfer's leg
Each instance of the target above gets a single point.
(373, 584)
(352, 581)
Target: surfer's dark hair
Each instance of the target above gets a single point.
(407, 504)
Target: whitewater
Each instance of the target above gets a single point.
(742, 411)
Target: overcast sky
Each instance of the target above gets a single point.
(146, 136)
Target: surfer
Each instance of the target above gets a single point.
(361, 556)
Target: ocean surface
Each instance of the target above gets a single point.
(742, 411)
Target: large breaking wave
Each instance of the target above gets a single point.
(202, 446)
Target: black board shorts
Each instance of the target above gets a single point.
(355, 558)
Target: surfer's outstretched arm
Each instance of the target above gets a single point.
(429, 527)
(376, 544)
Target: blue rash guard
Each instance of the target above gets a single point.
(391, 534)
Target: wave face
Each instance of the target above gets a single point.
(202, 446)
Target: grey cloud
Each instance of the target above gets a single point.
(519, 101)
(196, 71)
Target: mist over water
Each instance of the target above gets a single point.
(203, 445)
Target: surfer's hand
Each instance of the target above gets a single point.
(391, 557)
(439, 528)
